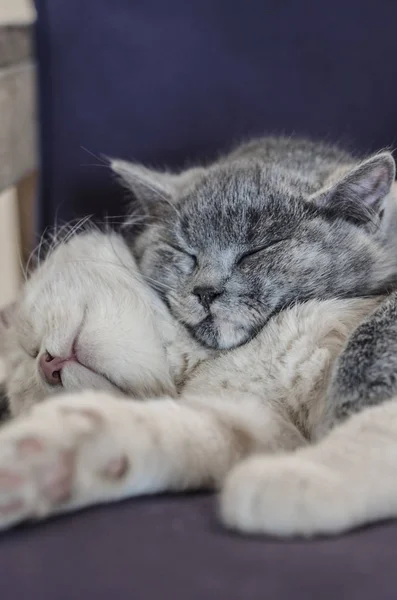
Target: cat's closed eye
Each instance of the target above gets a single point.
(258, 249)
(182, 251)
(190, 263)
(32, 352)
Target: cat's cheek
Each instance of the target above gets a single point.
(185, 265)
(230, 336)
(186, 309)
(185, 269)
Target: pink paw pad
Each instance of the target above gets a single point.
(117, 468)
(57, 481)
(30, 445)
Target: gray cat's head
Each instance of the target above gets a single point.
(230, 245)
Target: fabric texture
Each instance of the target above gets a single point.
(173, 547)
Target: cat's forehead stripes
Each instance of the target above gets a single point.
(329, 210)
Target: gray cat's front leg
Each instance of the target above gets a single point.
(366, 372)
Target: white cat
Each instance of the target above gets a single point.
(244, 421)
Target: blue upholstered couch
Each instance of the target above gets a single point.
(168, 82)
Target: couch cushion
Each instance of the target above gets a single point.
(173, 547)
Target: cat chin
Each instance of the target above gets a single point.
(230, 335)
(225, 328)
(219, 334)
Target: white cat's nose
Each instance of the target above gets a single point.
(51, 367)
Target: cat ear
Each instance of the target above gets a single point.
(358, 196)
(150, 186)
(146, 184)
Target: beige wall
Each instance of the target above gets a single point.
(11, 12)
(16, 11)
(9, 246)
(16, 235)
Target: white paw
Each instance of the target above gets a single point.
(60, 456)
(285, 496)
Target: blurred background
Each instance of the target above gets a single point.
(18, 148)
(171, 83)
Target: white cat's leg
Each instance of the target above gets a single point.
(83, 449)
(347, 479)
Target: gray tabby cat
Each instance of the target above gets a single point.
(243, 421)
(304, 225)
(366, 372)
(275, 222)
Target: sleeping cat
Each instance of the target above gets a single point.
(86, 318)
(232, 250)
(275, 222)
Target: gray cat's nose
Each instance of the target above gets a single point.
(206, 295)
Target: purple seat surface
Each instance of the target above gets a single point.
(168, 82)
(169, 547)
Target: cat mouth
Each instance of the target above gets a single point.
(76, 357)
(217, 332)
(105, 377)
(75, 360)
(205, 331)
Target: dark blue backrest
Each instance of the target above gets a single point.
(168, 82)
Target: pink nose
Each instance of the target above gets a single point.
(51, 368)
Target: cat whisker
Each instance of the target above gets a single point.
(159, 284)
(101, 159)
(35, 253)
(79, 225)
(131, 220)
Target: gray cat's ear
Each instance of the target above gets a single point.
(150, 186)
(147, 185)
(358, 196)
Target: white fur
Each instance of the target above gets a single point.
(85, 291)
(205, 412)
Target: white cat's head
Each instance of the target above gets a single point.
(85, 319)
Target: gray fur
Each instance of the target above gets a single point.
(278, 221)
(366, 372)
